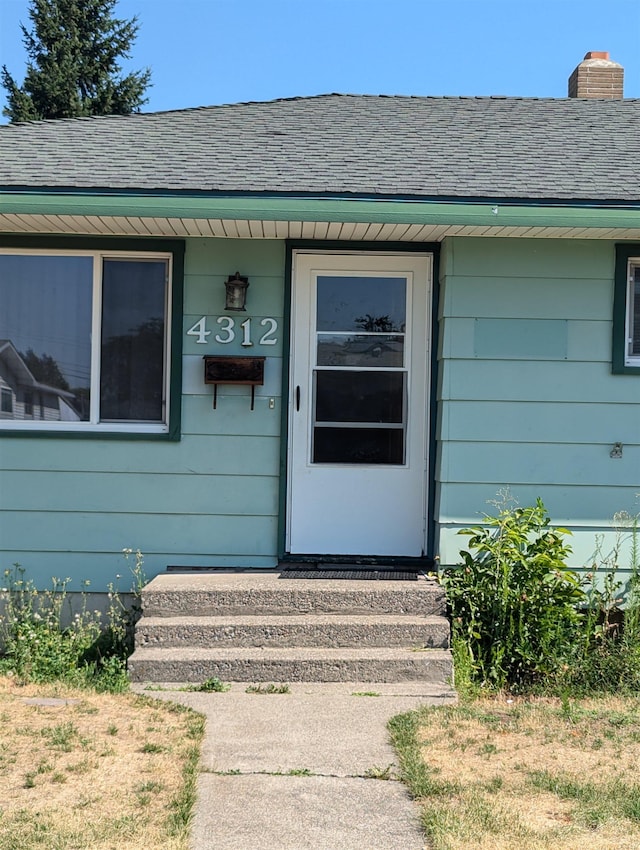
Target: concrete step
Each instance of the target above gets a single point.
(173, 664)
(175, 595)
(300, 630)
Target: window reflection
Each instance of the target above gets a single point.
(132, 375)
(375, 304)
(45, 337)
(371, 350)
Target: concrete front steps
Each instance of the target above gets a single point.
(259, 627)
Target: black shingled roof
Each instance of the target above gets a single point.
(344, 145)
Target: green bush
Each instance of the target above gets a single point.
(514, 602)
(41, 644)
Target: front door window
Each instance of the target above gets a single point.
(360, 381)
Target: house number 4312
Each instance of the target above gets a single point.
(227, 331)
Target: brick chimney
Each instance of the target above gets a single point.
(597, 76)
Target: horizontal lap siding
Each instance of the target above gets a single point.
(526, 395)
(68, 508)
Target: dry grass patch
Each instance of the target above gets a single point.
(94, 770)
(534, 774)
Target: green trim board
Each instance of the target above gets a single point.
(174, 247)
(619, 341)
(270, 208)
(351, 248)
(284, 409)
(434, 407)
(175, 360)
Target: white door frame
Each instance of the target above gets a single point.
(418, 268)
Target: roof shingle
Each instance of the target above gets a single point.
(520, 148)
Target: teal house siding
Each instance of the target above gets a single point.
(527, 396)
(526, 400)
(68, 507)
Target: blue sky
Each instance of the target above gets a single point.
(204, 52)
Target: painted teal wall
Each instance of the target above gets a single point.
(526, 400)
(68, 508)
(527, 397)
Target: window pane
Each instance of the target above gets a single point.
(45, 335)
(370, 350)
(132, 375)
(635, 316)
(340, 303)
(359, 396)
(358, 445)
(7, 400)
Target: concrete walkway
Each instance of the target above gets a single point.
(297, 771)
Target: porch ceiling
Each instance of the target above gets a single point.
(104, 225)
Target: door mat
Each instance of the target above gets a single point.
(351, 575)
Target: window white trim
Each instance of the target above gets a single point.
(94, 424)
(631, 358)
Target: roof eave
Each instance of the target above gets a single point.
(263, 207)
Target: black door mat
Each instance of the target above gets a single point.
(352, 574)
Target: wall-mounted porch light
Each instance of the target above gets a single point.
(236, 293)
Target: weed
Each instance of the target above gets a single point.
(268, 689)
(83, 766)
(62, 736)
(112, 729)
(299, 771)
(209, 686)
(513, 601)
(606, 659)
(379, 772)
(366, 694)
(149, 787)
(151, 749)
(90, 651)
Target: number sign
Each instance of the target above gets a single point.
(227, 330)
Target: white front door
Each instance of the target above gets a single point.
(358, 396)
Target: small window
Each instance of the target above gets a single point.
(626, 310)
(632, 353)
(6, 400)
(28, 403)
(86, 336)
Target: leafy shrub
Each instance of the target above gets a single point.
(90, 650)
(513, 602)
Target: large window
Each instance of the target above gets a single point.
(626, 313)
(85, 340)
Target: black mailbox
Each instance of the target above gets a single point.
(248, 371)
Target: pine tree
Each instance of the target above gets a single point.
(73, 70)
